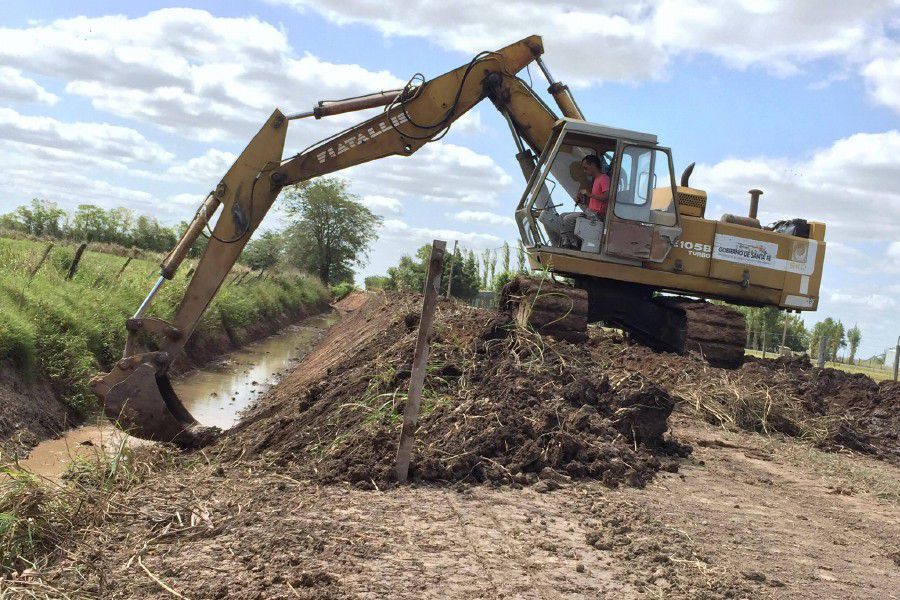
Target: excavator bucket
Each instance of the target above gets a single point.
(145, 405)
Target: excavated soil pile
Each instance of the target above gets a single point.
(500, 404)
(832, 408)
(869, 411)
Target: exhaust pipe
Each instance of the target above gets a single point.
(754, 202)
(686, 175)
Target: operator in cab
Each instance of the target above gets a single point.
(592, 202)
(597, 199)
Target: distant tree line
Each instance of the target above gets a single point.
(765, 329)
(464, 271)
(328, 233)
(90, 223)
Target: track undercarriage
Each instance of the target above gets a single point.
(664, 323)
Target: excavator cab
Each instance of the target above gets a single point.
(642, 220)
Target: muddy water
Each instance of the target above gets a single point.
(215, 394)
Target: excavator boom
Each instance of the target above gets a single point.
(137, 394)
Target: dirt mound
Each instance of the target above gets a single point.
(868, 412)
(352, 301)
(831, 408)
(500, 404)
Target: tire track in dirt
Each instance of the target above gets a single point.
(775, 524)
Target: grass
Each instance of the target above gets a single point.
(40, 518)
(873, 372)
(67, 331)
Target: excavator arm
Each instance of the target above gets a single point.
(137, 394)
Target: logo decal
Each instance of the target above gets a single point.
(746, 251)
(361, 137)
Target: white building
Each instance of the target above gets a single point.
(889, 357)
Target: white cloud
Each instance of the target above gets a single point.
(882, 77)
(603, 40)
(185, 70)
(439, 172)
(875, 302)
(185, 199)
(67, 187)
(600, 40)
(484, 217)
(14, 86)
(413, 237)
(893, 251)
(858, 176)
(208, 168)
(778, 35)
(112, 141)
(382, 204)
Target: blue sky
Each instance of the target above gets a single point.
(145, 106)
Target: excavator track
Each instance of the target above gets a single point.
(664, 323)
(547, 307)
(716, 332)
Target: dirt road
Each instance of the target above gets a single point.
(746, 517)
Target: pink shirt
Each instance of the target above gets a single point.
(599, 186)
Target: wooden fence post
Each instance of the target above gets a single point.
(41, 262)
(452, 264)
(823, 344)
(73, 268)
(420, 360)
(122, 270)
(897, 358)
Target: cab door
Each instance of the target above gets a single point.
(642, 218)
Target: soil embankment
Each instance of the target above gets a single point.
(499, 405)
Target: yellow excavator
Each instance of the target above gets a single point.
(647, 266)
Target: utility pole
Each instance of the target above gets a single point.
(452, 263)
(897, 358)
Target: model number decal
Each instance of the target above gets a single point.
(695, 248)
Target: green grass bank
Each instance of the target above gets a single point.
(63, 331)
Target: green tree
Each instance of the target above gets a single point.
(40, 218)
(504, 257)
(797, 334)
(377, 282)
(331, 232)
(264, 251)
(148, 234)
(121, 220)
(854, 337)
(834, 332)
(409, 274)
(520, 256)
(466, 282)
(93, 224)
